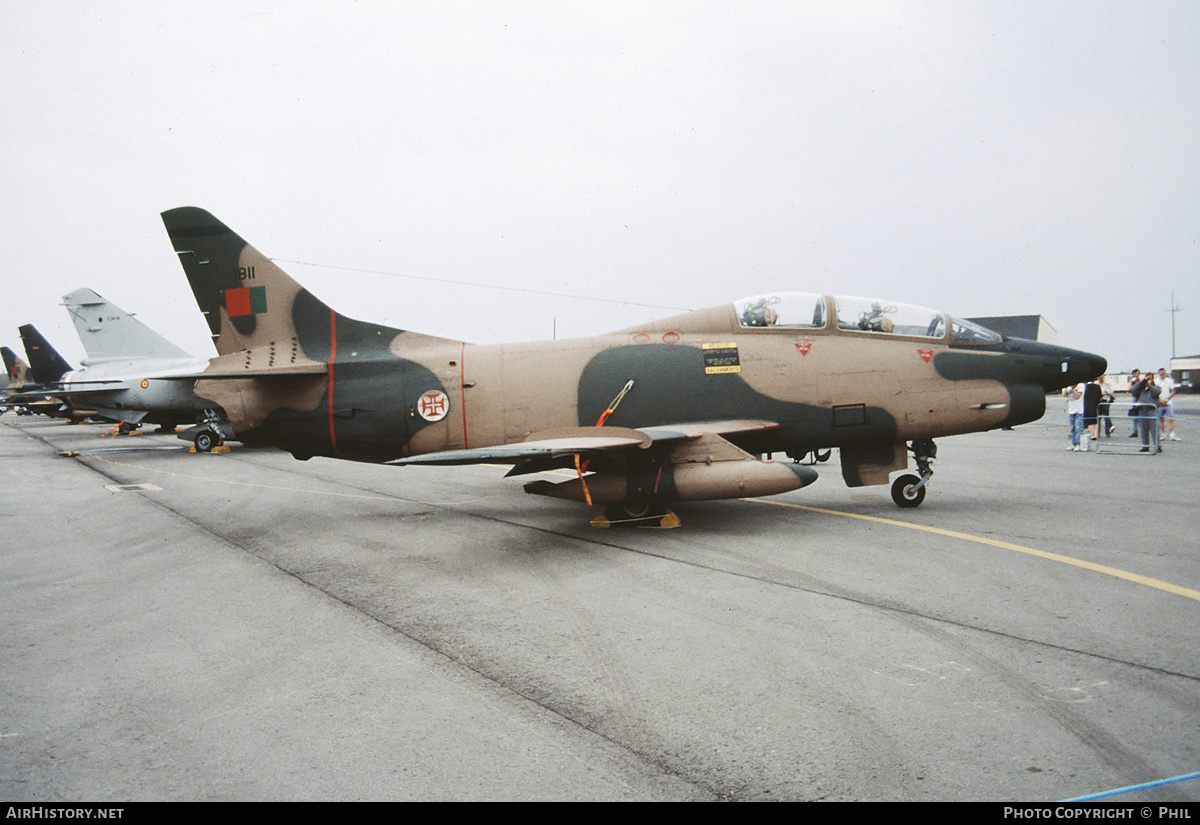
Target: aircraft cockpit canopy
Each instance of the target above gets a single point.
(872, 315)
(967, 332)
(804, 310)
(791, 310)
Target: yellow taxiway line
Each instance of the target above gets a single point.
(1167, 587)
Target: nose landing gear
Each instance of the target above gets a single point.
(909, 490)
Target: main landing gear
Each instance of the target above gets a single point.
(209, 433)
(909, 490)
(206, 440)
(637, 513)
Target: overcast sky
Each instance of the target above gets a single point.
(978, 158)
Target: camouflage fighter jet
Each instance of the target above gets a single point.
(677, 409)
(15, 369)
(17, 380)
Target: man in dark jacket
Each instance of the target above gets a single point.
(1145, 398)
(1135, 378)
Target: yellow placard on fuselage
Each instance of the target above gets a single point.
(721, 358)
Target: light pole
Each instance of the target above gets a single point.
(1174, 308)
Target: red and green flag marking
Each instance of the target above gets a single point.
(246, 301)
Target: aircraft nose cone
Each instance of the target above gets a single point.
(1052, 366)
(1079, 366)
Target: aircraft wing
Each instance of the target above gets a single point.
(23, 396)
(543, 448)
(93, 386)
(548, 444)
(85, 387)
(271, 372)
(98, 386)
(695, 429)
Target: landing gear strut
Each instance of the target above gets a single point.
(909, 490)
(814, 456)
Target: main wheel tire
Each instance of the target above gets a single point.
(903, 493)
(635, 508)
(206, 440)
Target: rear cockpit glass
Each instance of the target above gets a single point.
(870, 315)
(966, 332)
(787, 310)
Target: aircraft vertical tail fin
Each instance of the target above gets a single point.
(45, 364)
(248, 301)
(108, 332)
(16, 369)
(252, 304)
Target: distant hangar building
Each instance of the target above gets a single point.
(1029, 327)
(1186, 371)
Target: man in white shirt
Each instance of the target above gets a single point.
(1075, 414)
(1166, 410)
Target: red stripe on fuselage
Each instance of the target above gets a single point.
(332, 358)
(462, 383)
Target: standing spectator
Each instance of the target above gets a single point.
(1105, 407)
(1166, 410)
(1135, 379)
(1146, 395)
(1075, 414)
(1092, 393)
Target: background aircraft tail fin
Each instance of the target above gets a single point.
(16, 369)
(45, 364)
(110, 333)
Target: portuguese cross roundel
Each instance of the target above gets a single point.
(433, 405)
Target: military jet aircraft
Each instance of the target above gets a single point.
(131, 373)
(46, 369)
(677, 409)
(45, 364)
(30, 385)
(15, 369)
(16, 380)
(27, 397)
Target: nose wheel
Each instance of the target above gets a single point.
(909, 490)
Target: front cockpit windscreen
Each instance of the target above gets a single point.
(968, 332)
(790, 310)
(872, 315)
